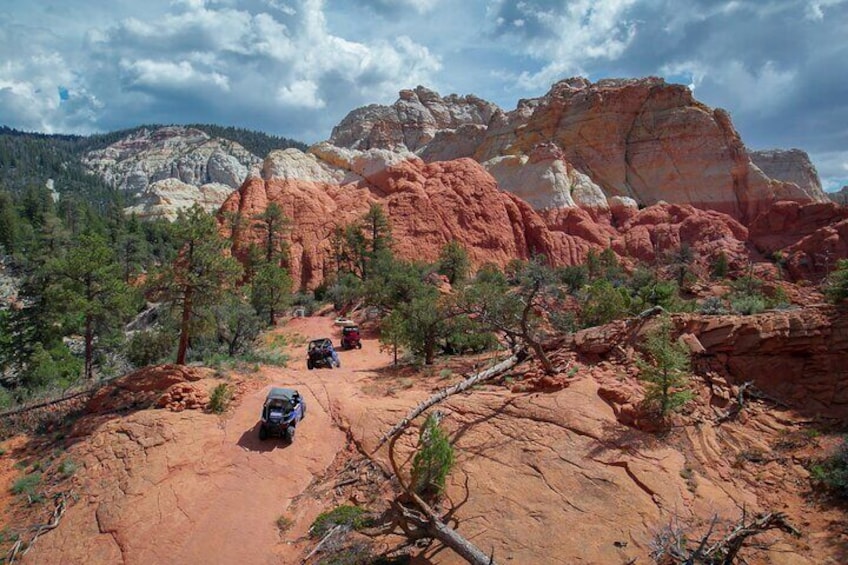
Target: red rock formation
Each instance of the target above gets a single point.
(428, 205)
(640, 138)
(810, 237)
(142, 388)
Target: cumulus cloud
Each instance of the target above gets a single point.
(566, 37)
(260, 60)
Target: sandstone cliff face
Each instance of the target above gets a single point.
(840, 197)
(430, 204)
(411, 122)
(138, 162)
(640, 138)
(810, 237)
(165, 198)
(790, 165)
(795, 355)
(427, 204)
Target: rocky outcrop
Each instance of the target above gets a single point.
(797, 355)
(413, 121)
(165, 198)
(143, 388)
(790, 165)
(639, 138)
(810, 238)
(428, 204)
(177, 152)
(840, 197)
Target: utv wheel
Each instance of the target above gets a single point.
(359, 345)
(309, 364)
(289, 435)
(263, 433)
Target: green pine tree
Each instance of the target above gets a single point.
(271, 289)
(453, 262)
(433, 461)
(87, 284)
(665, 368)
(201, 276)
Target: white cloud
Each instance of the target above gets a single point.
(301, 93)
(757, 90)
(816, 10)
(573, 35)
(245, 57)
(171, 75)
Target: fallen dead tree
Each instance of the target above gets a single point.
(671, 547)
(489, 373)
(58, 512)
(423, 521)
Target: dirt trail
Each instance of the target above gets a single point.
(162, 487)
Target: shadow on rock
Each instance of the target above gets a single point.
(250, 441)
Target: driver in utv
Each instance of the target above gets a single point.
(283, 410)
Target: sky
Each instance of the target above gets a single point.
(297, 67)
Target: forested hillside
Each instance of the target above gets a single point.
(72, 260)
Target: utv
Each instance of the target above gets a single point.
(320, 353)
(283, 410)
(350, 337)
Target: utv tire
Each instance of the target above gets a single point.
(309, 364)
(289, 434)
(359, 345)
(263, 433)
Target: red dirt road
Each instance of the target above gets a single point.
(162, 487)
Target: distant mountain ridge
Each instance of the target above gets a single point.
(85, 167)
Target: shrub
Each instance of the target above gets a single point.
(27, 484)
(836, 288)
(747, 304)
(283, 523)
(602, 303)
(833, 471)
(220, 399)
(305, 300)
(433, 460)
(574, 276)
(713, 306)
(149, 347)
(665, 367)
(352, 517)
(720, 266)
(67, 468)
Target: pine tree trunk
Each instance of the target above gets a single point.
(89, 346)
(184, 326)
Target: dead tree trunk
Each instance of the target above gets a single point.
(501, 367)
